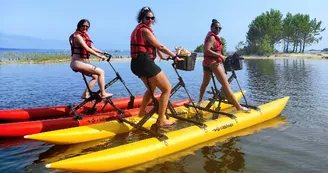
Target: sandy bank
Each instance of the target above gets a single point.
(127, 59)
(291, 56)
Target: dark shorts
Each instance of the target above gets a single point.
(143, 66)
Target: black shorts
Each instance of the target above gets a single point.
(143, 66)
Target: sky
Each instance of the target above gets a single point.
(178, 22)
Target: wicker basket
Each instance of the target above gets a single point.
(233, 62)
(188, 64)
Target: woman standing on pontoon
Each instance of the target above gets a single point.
(212, 63)
(144, 47)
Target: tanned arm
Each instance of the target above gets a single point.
(208, 46)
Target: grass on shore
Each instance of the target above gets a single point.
(37, 57)
(22, 57)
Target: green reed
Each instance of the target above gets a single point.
(39, 57)
(20, 57)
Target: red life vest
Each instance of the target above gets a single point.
(82, 52)
(217, 48)
(139, 45)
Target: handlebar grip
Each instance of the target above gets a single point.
(107, 54)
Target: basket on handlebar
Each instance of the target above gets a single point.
(233, 62)
(188, 63)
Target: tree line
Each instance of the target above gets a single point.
(269, 29)
(294, 32)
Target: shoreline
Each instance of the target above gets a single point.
(315, 56)
(296, 56)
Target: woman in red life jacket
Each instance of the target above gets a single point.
(144, 47)
(80, 51)
(213, 59)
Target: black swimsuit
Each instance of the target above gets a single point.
(143, 66)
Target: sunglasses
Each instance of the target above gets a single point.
(86, 26)
(148, 18)
(218, 28)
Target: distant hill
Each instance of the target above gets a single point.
(34, 50)
(25, 42)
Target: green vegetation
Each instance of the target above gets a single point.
(295, 32)
(224, 42)
(33, 57)
(200, 48)
(22, 57)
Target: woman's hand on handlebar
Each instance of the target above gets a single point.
(105, 53)
(176, 59)
(223, 58)
(103, 57)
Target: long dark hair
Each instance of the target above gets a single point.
(79, 25)
(142, 13)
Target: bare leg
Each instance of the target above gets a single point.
(206, 81)
(101, 83)
(91, 85)
(147, 96)
(161, 81)
(90, 70)
(222, 78)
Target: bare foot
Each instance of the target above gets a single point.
(85, 95)
(166, 123)
(244, 109)
(106, 95)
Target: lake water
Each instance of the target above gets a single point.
(296, 141)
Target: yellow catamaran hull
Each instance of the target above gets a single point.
(59, 152)
(108, 129)
(149, 149)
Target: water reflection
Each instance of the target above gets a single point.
(12, 142)
(272, 79)
(224, 157)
